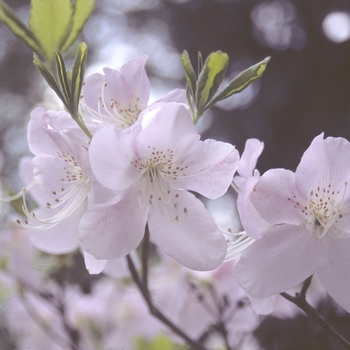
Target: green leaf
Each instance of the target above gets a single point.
(189, 71)
(77, 78)
(18, 28)
(200, 62)
(210, 78)
(49, 79)
(62, 77)
(50, 22)
(78, 75)
(241, 81)
(82, 10)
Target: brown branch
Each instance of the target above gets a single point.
(154, 310)
(300, 301)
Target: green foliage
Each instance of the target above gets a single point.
(50, 21)
(53, 24)
(19, 29)
(241, 81)
(68, 84)
(201, 91)
(210, 78)
(160, 343)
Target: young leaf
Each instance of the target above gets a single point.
(241, 81)
(18, 28)
(189, 71)
(49, 79)
(210, 78)
(78, 75)
(200, 62)
(62, 76)
(82, 10)
(50, 22)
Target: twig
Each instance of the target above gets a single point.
(154, 310)
(300, 301)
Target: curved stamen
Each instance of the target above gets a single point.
(17, 195)
(78, 194)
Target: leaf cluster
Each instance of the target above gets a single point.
(54, 25)
(201, 91)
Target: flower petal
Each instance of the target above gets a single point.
(282, 258)
(170, 129)
(184, 230)
(334, 272)
(210, 168)
(111, 155)
(250, 155)
(276, 199)
(60, 239)
(113, 229)
(252, 222)
(94, 266)
(325, 161)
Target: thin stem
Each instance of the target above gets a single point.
(154, 310)
(300, 301)
(145, 254)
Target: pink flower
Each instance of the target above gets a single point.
(151, 172)
(309, 210)
(119, 98)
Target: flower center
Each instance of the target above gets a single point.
(326, 213)
(159, 171)
(111, 112)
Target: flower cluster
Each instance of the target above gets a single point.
(138, 169)
(138, 178)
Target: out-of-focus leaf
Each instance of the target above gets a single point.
(241, 81)
(50, 22)
(82, 10)
(18, 28)
(189, 71)
(210, 78)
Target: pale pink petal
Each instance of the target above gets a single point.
(176, 95)
(334, 272)
(282, 258)
(210, 169)
(60, 239)
(253, 224)
(262, 306)
(171, 130)
(94, 266)
(325, 161)
(135, 74)
(111, 156)
(113, 229)
(276, 199)
(118, 268)
(185, 230)
(99, 89)
(251, 153)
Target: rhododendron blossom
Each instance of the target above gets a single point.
(119, 98)
(309, 210)
(151, 171)
(57, 178)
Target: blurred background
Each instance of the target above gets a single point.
(305, 89)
